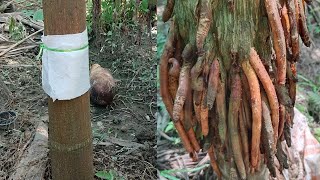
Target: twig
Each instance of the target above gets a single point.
(166, 136)
(120, 142)
(5, 6)
(24, 48)
(17, 65)
(4, 38)
(168, 152)
(182, 165)
(5, 16)
(33, 24)
(18, 43)
(205, 160)
(132, 150)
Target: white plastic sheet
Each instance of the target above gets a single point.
(304, 154)
(307, 146)
(65, 75)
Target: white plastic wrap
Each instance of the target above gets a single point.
(65, 75)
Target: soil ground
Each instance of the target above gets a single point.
(129, 120)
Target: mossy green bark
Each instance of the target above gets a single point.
(234, 30)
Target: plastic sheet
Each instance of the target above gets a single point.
(307, 146)
(65, 65)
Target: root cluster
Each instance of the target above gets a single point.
(244, 112)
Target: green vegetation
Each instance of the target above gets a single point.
(313, 19)
(16, 30)
(115, 15)
(108, 175)
(312, 90)
(312, 110)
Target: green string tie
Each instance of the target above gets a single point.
(42, 46)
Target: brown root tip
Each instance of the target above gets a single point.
(193, 156)
(167, 13)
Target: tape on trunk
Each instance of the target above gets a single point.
(65, 65)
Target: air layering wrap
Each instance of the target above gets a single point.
(65, 65)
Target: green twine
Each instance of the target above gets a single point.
(42, 46)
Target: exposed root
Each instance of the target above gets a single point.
(174, 71)
(167, 53)
(197, 82)
(269, 88)
(283, 95)
(184, 138)
(292, 78)
(193, 139)
(286, 27)
(188, 107)
(213, 83)
(213, 162)
(204, 114)
(246, 101)
(268, 136)
(197, 98)
(282, 157)
(278, 39)
(233, 123)
(184, 83)
(221, 110)
(256, 111)
(242, 111)
(303, 29)
(244, 138)
(168, 10)
(282, 119)
(287, 134)
(205, 19)
(293, 30)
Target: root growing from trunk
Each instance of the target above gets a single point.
(223, 91)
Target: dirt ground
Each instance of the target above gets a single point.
(132, 115)
(124, 133)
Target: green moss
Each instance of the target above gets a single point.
(232, 31)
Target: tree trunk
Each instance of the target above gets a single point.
(96, 23)
(238, 59)
(70, 134)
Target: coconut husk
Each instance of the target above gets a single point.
(102, 86)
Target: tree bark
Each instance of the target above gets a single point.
(70, 136)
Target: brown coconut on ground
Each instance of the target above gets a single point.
(102, 84)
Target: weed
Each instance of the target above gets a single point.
(108, 175)
(314, 105)
(313, 92)
(313, 20)
(117, 16)
(16, 30)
